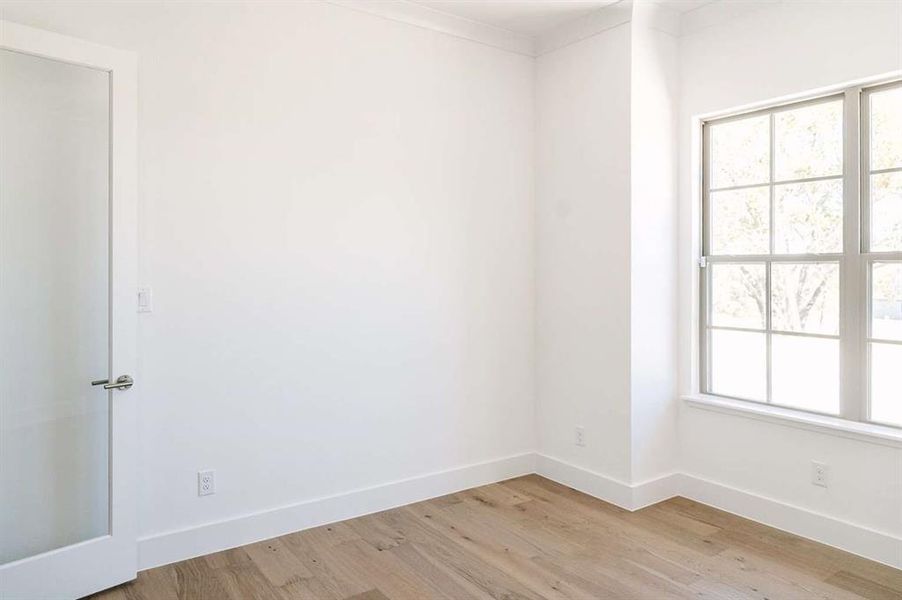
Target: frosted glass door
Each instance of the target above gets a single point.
(54, 304)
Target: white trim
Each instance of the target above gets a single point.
(880, 546)
(659, 16)
(716, 14)
(610, 489)
(55, 46)
(571, 32)
(655, 490)
(852, 369)
(777, 102)
(614, 14)
(606, 17)
(875, 545)
(436, 20)
(854, 373)
(173, 546)
(603, 487)
(863, 432)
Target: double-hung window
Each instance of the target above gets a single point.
(801, 273)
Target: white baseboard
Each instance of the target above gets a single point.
(876, 545)
(187, 543)
(173, 546)
(609, 489)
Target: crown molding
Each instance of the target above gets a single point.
(571, 32)
(607, 17)
(715, 14)
(658, 16)
(459, 27)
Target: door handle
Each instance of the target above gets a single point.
(122, 383)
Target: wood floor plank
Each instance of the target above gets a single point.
(452, 585)
(370, 595)
(613, 526)
(568, 530)
(277, 563)
(312, 588)
(504, 550)
(566, 545)
(161, 584)
(526, 539)
(372, 530)
(887, 577)
(329, 535)
(328, 567)
(863, 586)
(388, 574)
(495, 495)
(196, 579)
(444, 551)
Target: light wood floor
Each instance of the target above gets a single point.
(525, 538)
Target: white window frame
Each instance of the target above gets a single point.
(869, 257)
(854, 262)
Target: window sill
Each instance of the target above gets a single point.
(866, 432)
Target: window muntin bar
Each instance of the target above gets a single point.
(845, 337)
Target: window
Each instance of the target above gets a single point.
(801, 275)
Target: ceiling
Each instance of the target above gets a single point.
(532, 17)
(520, 16)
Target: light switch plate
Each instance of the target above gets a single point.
(145, 300)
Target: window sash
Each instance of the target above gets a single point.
(855, 261)
(868, 257)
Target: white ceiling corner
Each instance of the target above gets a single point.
(528, 27)
(414, 13)
(526, 17)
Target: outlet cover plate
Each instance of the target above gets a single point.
(820, 474)
(206, 483)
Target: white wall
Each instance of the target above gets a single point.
(337, 222)
(582, 252)
(654, 96)
(606, 247)
(732, 55)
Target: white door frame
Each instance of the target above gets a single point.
(89, 566)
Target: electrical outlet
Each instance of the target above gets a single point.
(820, 474)
(206, 483)
(580, 439)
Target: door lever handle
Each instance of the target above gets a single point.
(122, 383)
(100, 381)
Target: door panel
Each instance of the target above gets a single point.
(68, 254)
(54, 304)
